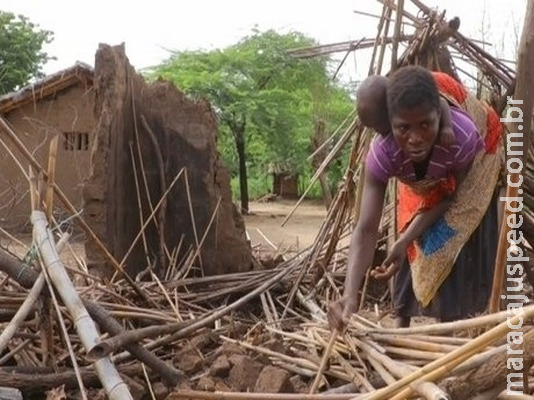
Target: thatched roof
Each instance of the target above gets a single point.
(49, 85)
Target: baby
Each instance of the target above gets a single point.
(373, 111)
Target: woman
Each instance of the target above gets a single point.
(442, 201)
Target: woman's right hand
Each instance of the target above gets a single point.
(339, 313)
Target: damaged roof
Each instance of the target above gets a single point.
(49, 85)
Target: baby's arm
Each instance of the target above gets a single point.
(446, 133)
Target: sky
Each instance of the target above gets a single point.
(150, 29)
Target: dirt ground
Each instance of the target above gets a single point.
(264, 225)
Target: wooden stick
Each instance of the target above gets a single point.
(51, 177)
(447, 327)
(149, 219)
(213, 316)
(397, 34)
(193, 222)
(324, 361)
(107, 323)
(433, 376)
(206, 232)
(9, 331)
(522, 93)
(6, 357)
(400, 370)
(454, 357)
(163, 187)
(198, 395)
(339, 145)
(500, 262)
(380, 64)
(353, 373)
(64, 331)
(345, 59)
(389, 19)
(397, 340)
(86, 328)
(331, 138)
(139, 202)
(300, 362)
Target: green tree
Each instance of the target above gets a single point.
(264, 98)
(21, 50)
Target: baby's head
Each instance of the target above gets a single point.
(371, 102)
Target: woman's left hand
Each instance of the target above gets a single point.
(392, 262)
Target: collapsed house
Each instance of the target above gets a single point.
(253, 332)
(121, 144)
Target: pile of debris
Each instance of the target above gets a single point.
(175, 334)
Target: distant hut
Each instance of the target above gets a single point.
(285, 180)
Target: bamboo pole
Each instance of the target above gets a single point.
(432, 376)
(380, 64)
(196, 253)
(397, 340)
(479, 359)
(428, 390)
(439, 367)
(108, 346)
(52, 157)
(65, 333)
(85, 327)
(212, 317)
(107, 323)
(26, 307)
(397, 34)
(524, 95)
(297, 361)
(105, 320)
(198, 395)
(447, 327)
(383, 20)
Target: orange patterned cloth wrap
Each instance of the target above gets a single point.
(433, 255)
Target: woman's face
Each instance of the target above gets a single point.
(416, 131)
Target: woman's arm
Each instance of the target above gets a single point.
(361, 250)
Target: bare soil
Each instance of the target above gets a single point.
(264, 224)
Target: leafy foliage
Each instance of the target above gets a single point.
(21, 54)
(266, 100)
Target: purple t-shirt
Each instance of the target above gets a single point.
(386, 160)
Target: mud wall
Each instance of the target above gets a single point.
(153, 133)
